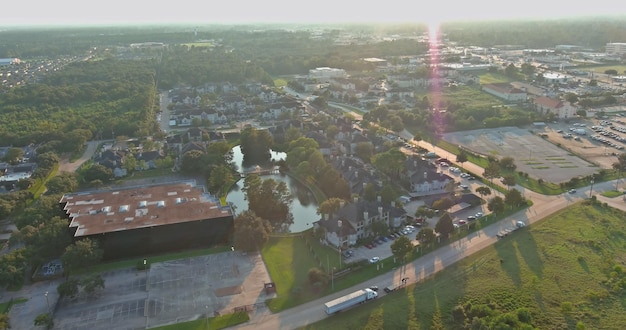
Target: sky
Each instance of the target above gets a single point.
(81, 12)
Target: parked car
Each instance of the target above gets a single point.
(572, 191)
(478, 215)
(471, 218)
(374, 260)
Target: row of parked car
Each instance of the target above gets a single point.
(383, 239)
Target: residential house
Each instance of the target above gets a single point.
(424, 177)
(560, 108)
(358, 218)
(149, 158)
(325, 146)
(506, 92)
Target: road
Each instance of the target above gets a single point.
(423, 267)
(66, 166)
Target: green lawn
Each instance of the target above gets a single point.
(467, 95)
(612, 193)
(600, 69)
(563, 270)
(493, 78)
(214, 323)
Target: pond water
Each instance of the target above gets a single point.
(303, 205)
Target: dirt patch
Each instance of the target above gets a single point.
(228, 291)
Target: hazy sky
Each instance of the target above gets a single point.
(71, 12)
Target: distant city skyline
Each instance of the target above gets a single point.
(73, 12)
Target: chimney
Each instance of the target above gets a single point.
(356, 199)
(379, 198)
(380, 211)
(393, 203)
(342, 203)
(365, 215)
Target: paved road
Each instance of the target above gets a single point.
(66, 166)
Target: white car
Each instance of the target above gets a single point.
(374, 260)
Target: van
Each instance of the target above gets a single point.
(389, 289)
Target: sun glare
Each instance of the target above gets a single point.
(433, 31)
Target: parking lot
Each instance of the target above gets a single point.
(169, 292)
(541, 158)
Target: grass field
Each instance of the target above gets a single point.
(470, 96)
(600, 69)
(213, 323)
(493, 78)
(565, 271)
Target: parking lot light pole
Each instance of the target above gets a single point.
(47, 301)
(591, 190)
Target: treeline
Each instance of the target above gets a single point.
(592, 32)
(87, 99)
(196, 66)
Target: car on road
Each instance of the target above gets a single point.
(374, 287)
(374, 260)
(572, 191)
(464, 186)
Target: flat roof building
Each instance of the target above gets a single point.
(618, 48)
(149, 219)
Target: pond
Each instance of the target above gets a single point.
(303, 205)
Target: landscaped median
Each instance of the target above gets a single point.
(213, 323)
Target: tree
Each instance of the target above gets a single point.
(13, 155)
(44, 320)
(68, 288)
(364, 150)
(256, 145)
(390, 163)
(496, 204)
(268, 199)
(82, 254)
(426, 235)
(62, 183)
(514, 198)
(193, 162)
(251, 232)
(219, 178)
(92, 283)
(379, 228)
(130, 163)
(461, 157)
(443, 204)
(483, 191)
(402, 248)
(98, 172)
(509, 180)
(329, 206)
(508, 163)
(445, 226)
(492, 171)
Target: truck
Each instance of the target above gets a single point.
(349, 300)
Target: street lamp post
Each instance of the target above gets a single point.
(47, 301)
(207, 316)
(591, 190)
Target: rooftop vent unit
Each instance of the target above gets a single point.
(143, 204)
(161, 204)
(123, 208)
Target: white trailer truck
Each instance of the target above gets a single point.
(349, 300)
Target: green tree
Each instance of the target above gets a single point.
(69, 288)
(514, 198)
(492, 171)
(193, 162)
(364, 150)
(483, 191)
(426, 236)
(92, 283)
(13, 155)
(461, 157)
(507, 163)
(496, 204)
(256, 145)
(44, 320)
(317, 275)
(390, 162)
(268, 199)
(219, 179)
(402, 248)
(62, 183)
(12, 267)
(98, 172)
(82, 254)
(251, 232)
(379, 228)
(509, 180)
(130, 163)
(329, 206)
(444, 226)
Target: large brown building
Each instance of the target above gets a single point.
(149, 219)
